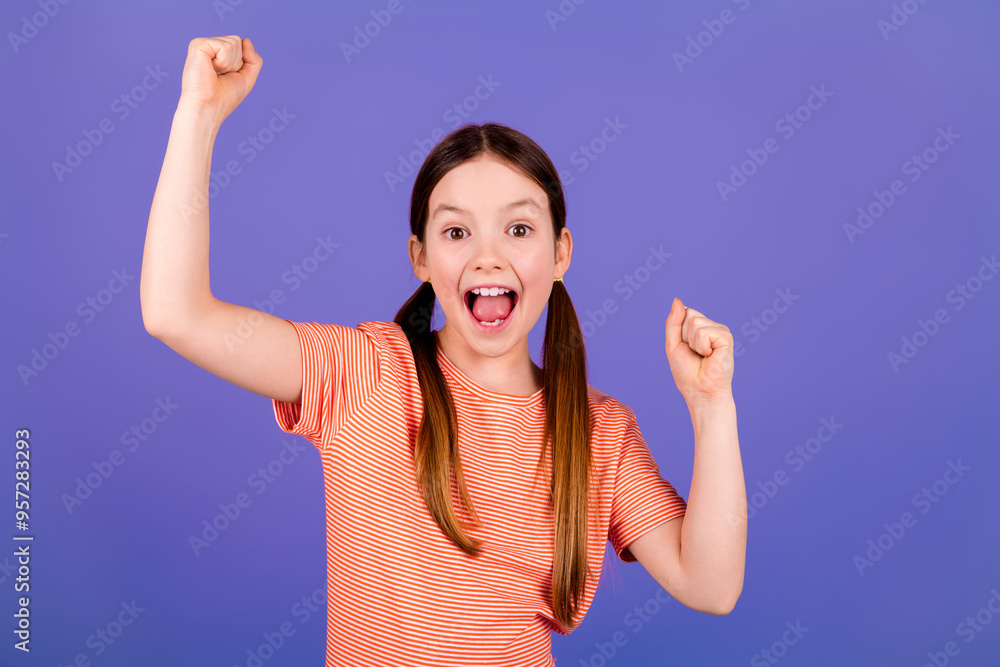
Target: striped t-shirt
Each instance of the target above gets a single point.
(399, 592)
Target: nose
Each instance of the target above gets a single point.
(487, 254)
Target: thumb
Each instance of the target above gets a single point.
(674, 321)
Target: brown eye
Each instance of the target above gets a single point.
(525, 227)
(451, 233)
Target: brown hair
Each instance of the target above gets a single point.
(564, 375)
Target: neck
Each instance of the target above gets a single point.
(508, 371)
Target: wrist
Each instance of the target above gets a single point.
(710, 402)
(197, 114)
(710, 414)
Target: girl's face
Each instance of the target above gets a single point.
(475, 237)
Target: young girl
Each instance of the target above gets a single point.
(470, 494)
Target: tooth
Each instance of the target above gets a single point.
(491, 291)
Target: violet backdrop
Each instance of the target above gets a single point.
(820, 177)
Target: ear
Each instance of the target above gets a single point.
(418, 259)
(564, 251)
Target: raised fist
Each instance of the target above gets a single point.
(219, 73)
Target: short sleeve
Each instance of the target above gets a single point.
(642, 498)
(340, 371)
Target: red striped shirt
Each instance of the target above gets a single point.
(399, 591)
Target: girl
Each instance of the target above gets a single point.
(470, 494)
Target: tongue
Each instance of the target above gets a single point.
(492, 308)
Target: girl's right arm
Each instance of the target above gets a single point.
(177, 303)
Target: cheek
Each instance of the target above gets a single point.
(538, 272)
(446, 276)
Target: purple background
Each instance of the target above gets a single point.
(655, 185)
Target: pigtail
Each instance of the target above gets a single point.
(436, 454)
(567, 417)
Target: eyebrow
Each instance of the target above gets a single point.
(520, 203)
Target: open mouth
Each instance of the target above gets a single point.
(470, 300)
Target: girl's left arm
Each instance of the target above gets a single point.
(713, 538)
(699, 558)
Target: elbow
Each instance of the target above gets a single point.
(155, 333)
(148, 321)
(165, 314)
(155, 323)
(715, 607)
(153, 327)
(153, 307)
(157, 319)
(723, 609)
(725, 606)
(712, 601)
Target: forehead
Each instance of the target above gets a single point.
(483, 187)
